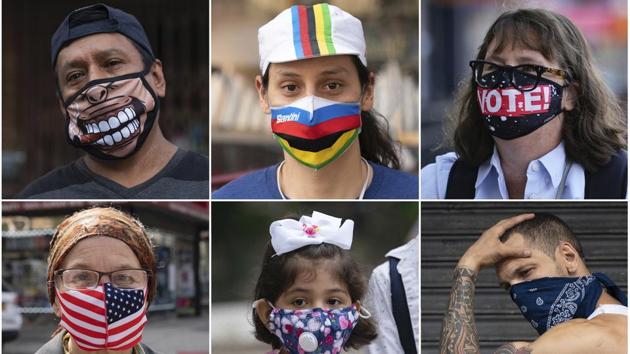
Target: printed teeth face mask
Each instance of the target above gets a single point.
(509, 113)
(106, 317)
(313, 330)
(316, 131)
(110, 118)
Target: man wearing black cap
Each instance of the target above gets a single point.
(109, 84)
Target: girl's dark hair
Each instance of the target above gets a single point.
(278, 273)
(376, 144)
(592, 132)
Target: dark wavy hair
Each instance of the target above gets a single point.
(376, 144)
(545, 232)
(592, 132)
(278, 273)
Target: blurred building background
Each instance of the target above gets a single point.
(240, 232)
(241, 134)
(179, 231)
(448, 229)
(33, 136)
(453, 30)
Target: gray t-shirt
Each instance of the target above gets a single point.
(186, 176)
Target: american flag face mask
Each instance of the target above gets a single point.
(106, 317)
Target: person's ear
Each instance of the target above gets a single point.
(263, 309)
(367, 99)
(262, 93)
(570, 95)
(56, 308)
(62, 108)
(157, 79)
(569, 257)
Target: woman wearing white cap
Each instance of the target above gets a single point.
(316, 87)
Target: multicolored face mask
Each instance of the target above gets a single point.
(105, 317)
(313, 330)
(110, 118)
(547, 302)
(511, 113)
(315, 131)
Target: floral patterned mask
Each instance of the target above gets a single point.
(316, 330)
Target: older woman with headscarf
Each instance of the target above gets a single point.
(101, 280)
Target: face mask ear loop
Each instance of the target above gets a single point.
(363, 312)
(267, 301)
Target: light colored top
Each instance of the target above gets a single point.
(610, 309)
(543, 177)
(379, 299)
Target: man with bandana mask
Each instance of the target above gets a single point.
(109, 85)
(540, 261)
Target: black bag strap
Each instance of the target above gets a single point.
(461, 181)
(400, 309)
(610, 181)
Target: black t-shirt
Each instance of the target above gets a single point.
(186, 176)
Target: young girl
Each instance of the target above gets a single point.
(534, 121)
(309, 289)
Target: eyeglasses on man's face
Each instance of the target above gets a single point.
(489, 75)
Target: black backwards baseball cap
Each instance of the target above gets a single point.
(98, 18)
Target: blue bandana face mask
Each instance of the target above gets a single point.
(547, 302)
(314, 330)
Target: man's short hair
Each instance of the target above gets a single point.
(545, 232)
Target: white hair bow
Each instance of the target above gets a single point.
(288, 234)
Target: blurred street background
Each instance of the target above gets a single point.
(240, 232)
(178, 315)
(33, 135)
(453, 30)
(241, 134)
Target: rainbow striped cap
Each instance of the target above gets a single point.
(303, 32)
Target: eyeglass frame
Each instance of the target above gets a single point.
(59, 272)
(540, 70)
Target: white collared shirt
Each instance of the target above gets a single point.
(543, 177)
(379, 298)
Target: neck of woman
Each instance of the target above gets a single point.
(341, 179)
(515, 155)
(74, 349)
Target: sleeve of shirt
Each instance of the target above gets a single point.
(435, 176)
(379, 302)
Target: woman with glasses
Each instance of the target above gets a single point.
(534, 121)
(100, 283)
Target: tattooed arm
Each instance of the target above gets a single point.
(511, 348)
(459, 331)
